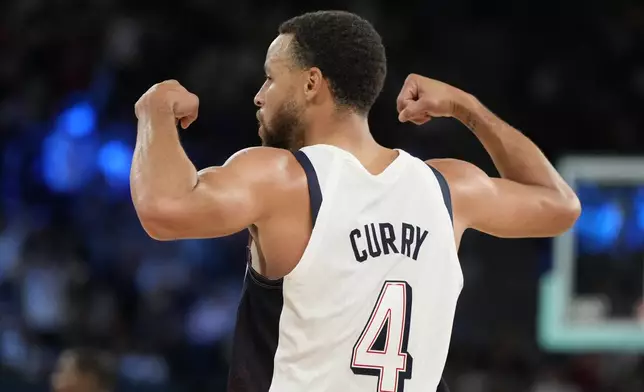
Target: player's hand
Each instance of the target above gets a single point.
(169, 96)
(422, 98)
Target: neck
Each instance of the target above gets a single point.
(348, 131)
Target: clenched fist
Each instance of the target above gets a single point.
(422, 98)
(169, 96)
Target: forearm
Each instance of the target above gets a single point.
(514, 155)
(160, 167)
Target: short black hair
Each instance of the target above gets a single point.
(97, 364)
(347, 49)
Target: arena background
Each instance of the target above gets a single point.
(77, 269)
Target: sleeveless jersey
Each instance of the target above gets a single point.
(370, 305)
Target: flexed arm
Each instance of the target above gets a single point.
(174, 201)
(530, 200)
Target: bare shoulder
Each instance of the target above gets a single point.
(261, 165)
(460, 175)
(260, 154)
(502, 207)
(469, 186)
(253, 186)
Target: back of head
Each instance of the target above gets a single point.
(95, 364)
(347, 50)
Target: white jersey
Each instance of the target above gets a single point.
(370, 305)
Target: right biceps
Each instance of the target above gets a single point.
(226, 199)
(216, 207)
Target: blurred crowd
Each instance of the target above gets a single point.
(77, 269)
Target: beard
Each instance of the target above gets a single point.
(285, 129)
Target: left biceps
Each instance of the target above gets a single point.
(508, 209)
(505, 208)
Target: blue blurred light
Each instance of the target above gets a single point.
(635, 228)
(639, 208)
(66, 162)
(77, 121)
(114, 160)
(599, 226)
(589, 192)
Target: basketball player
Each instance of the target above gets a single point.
(353, 277)
(83, 370)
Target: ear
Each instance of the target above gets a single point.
(314, 83)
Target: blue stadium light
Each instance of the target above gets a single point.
(114, 160)
(639, 208)
(635, 233)
(599, 226)
(66, 162)
(77, 121)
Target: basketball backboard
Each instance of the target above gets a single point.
(591, 299)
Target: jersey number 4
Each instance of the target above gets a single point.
(381, 349)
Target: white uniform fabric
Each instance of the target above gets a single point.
(371, 304)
